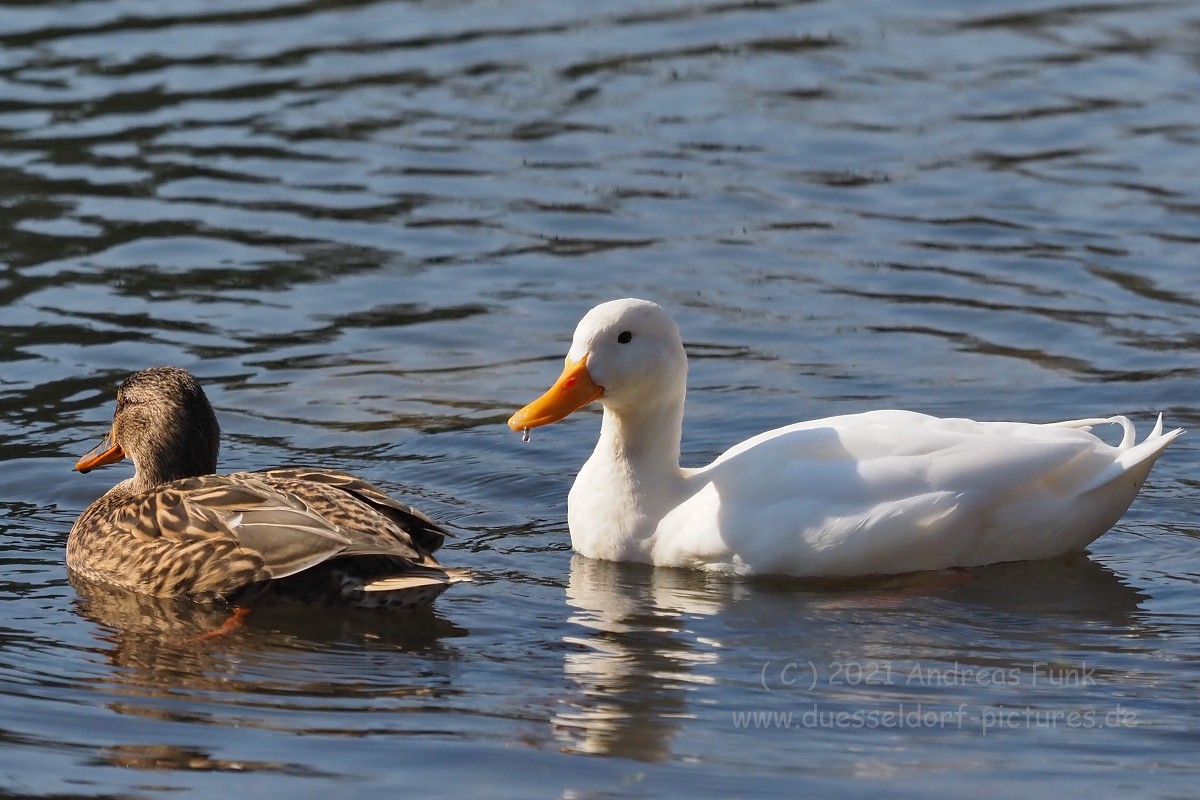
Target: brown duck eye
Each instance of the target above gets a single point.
(624, 336)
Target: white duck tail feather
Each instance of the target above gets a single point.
(1134, 460)
(1128, 435)
(400, 582)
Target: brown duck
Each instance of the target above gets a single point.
(176, 529)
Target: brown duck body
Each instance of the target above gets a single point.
(305, 533)
(311, 534)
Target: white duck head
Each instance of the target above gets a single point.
(627, 354)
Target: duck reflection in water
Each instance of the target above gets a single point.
(635, 661)
(316, 662)
(649, 637)
(158, 643)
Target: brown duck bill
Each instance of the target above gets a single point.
(573, 390)
(105, 453)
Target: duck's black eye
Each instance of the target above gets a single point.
(624, 336)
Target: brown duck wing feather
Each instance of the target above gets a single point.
(215, 536)
(208, 536)
(284, 531)
(418, 529)
(291, 523)
(161, 544)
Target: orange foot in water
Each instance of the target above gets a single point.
(229, 626)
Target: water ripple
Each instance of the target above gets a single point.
(370, 227)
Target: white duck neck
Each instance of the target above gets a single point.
(645, 438)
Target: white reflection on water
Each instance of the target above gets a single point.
(651, 638)
(635, 665)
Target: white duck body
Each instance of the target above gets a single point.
(860, 494)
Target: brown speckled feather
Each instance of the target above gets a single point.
(421, 531)
(303, 532)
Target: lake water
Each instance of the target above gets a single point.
(370, 228)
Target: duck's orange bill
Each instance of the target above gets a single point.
(574, 389)
(105, 453)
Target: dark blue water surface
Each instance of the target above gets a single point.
(370, 228)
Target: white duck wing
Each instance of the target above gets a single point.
(892, 491)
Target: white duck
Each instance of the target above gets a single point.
(859, 494)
